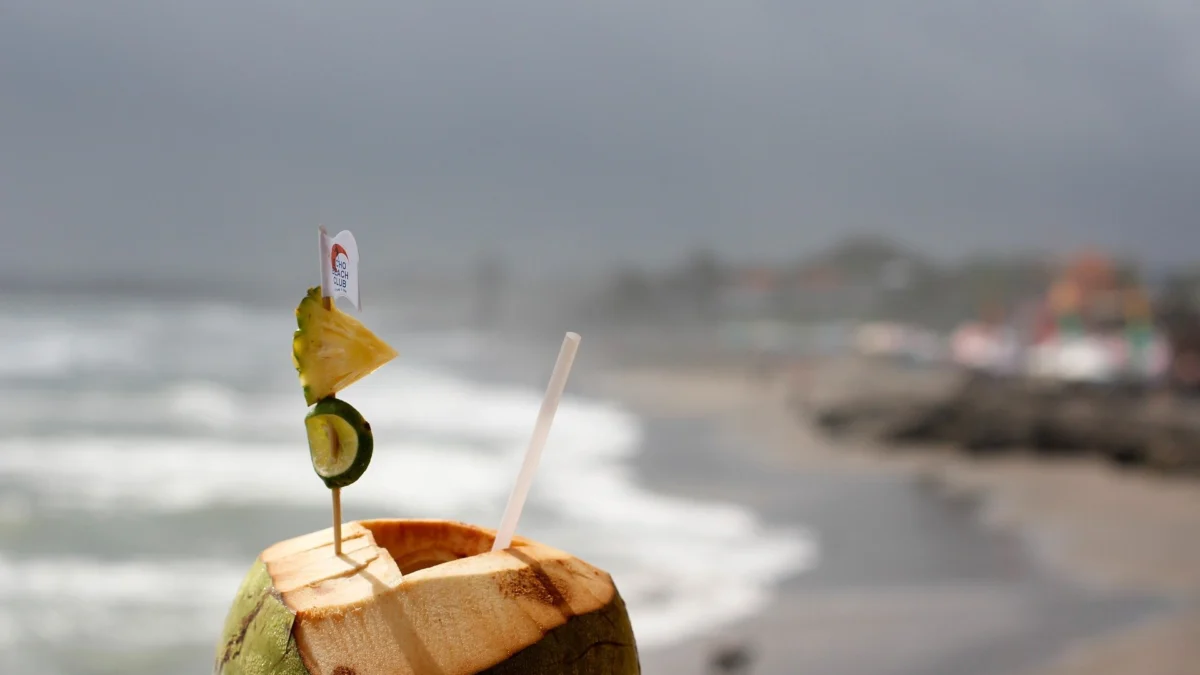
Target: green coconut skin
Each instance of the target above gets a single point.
(257, 639)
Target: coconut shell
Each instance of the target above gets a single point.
(424, 597)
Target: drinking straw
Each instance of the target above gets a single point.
(541, 429)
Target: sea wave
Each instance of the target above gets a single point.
(684, 566)
(675, 586)
(127, 605)
(398, 401)
(181, 411)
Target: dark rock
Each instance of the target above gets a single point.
(731, 659)
(1130, 424)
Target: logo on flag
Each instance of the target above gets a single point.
(339, 266)
(339, 263)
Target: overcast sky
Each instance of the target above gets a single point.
(175, 136)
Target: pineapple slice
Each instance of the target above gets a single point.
(331, 349)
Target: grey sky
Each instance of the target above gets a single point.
(152, 133)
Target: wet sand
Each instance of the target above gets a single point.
(931, 562)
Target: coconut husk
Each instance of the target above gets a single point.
(424, 597)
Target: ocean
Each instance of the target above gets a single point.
(151, 448)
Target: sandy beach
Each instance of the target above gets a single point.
(1105, 534)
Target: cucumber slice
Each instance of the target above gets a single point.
(340, 442)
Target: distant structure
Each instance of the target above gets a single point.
(1097, 323)
(1090, 294)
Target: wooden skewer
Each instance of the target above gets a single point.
(337, 520)
(327, 303)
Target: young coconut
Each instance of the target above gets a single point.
(459, 609)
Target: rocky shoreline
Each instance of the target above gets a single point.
(1101, 526)
(981, 414)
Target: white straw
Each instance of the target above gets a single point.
(554, 392)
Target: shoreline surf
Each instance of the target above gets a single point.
(114, 456)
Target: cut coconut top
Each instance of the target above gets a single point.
(400, 584)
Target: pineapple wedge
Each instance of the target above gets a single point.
(331, 349)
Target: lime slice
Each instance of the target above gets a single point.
(339, 440)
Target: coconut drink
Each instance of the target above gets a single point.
(410, 597)
(424, 597)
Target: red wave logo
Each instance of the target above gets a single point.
(333, 255)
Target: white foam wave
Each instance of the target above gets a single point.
(162, 336)
(170, 583)
(669, 585)
(59, 348)
(172, 474)
(684, 566)
(136, 337)
(119, 606)
(398, 401)
(446, 447)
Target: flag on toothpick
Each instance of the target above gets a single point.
(339, 267)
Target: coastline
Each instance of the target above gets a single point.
(1110, 532)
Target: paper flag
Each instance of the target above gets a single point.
(339, 267)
